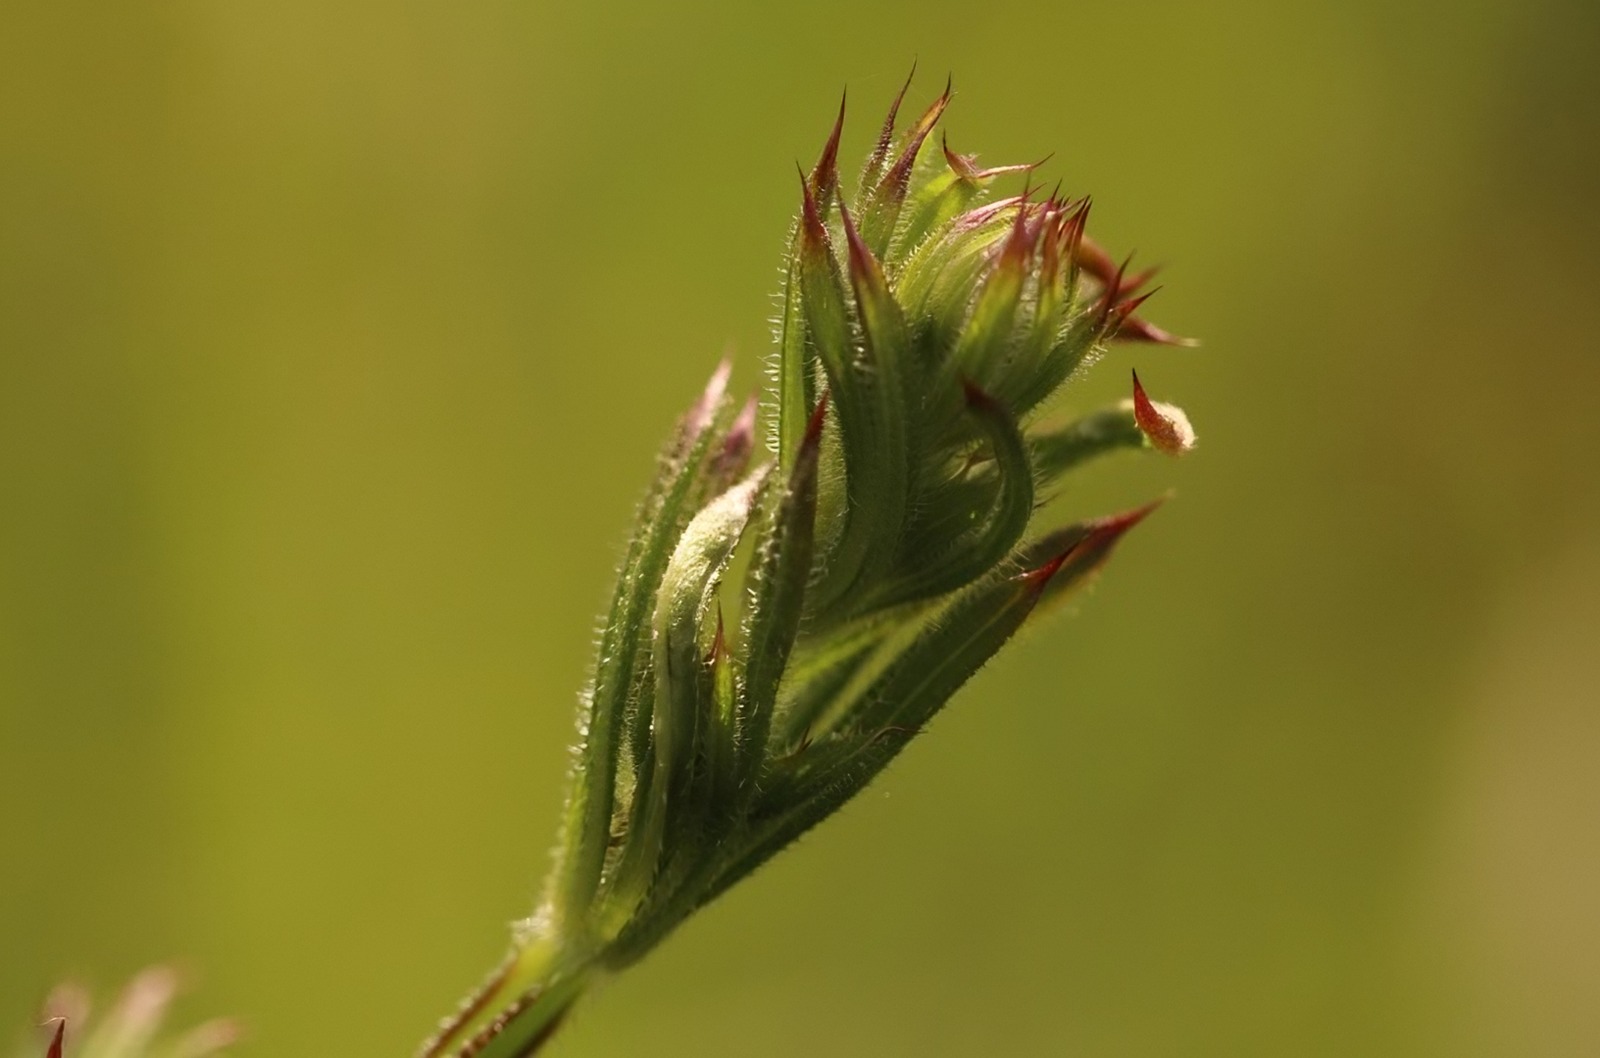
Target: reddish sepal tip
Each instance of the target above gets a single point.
(1037, 579)
(826, 172)
(975, 397)
(1106, 531)
(819, 416)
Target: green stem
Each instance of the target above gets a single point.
(520, 1007)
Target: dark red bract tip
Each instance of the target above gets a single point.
(813, 233)
(719, 646)
(965, 166)
(886, 136)
(1128, 306)
(1019, 244)
(975, 396)
(1106, 531)
(826, 173)
(1110, 296)
(1134, 329)
(1092, 259)
(58, 1041)
(1038, 579)
(899, 175)
(862, 263)
(819, 416)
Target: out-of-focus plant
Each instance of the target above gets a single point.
(884, 550)
(131, 1028)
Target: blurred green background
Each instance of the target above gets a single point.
(335, 343)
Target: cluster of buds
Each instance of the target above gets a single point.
(884, 550)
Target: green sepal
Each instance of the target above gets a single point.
(983, 341)
(777, 591)
(936, 283)
(961, 558)
(793, 371)
(822, 665)
(943, 196)
(795, 376)
(1082, 549)
(894, 705)
(881, 204)
(722, 742)
(683, 711)
(881, 480)
(878, 160)
(1077, 343)
(872, 419)
(586, 829)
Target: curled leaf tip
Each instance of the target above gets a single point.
(1165, 425)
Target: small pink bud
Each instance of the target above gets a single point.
(1165, 425)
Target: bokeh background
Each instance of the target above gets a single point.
(335, 344)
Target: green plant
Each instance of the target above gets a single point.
(884, 552)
